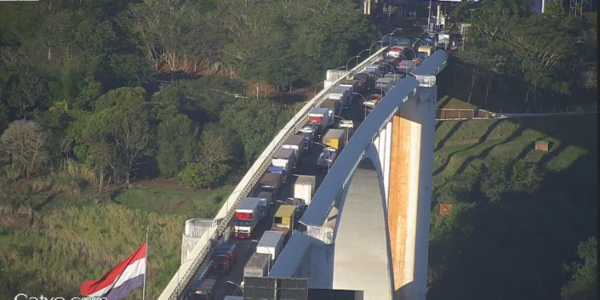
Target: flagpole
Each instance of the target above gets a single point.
(145, 271)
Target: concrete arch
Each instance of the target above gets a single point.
(361, 242)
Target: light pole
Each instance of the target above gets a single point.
(178, 291)
(316, 87)
(393, 69)
(390, 34)
(429, 16)
(237, 285)
(350, 60)
(372, 47)
(364, 101)
(340, 67)
(359, 53)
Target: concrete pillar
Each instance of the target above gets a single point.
(410, 192)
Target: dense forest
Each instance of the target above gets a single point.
(523, 225)
(79, 76)
(84, 110)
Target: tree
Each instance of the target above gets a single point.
(132, 133)
(23, 145)
(176, 144)
(217, 146)
(584, 283)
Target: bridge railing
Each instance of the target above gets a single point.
(247, 183)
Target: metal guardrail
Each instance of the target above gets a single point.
(247, 183)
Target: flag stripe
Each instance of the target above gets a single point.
(106, 282)
(134, 270)
(124, 289)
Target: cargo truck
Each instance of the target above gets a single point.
(284, 158)
(311, 128)
(225, 256)
(284, 220)
(257, 266)
(269, 197)
(364, 82)
(271, 244)
(280, 171)
(335, 138)
(343, 94)
(331, 76)
(334, 106)
(296, 143)
(304, 188)
(203, 290)
(248, 214)
(352, 83)
(270, 183)
(321, 116)
(385, 84)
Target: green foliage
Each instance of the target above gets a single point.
(193, 175)
(176, 144)
(584, 284)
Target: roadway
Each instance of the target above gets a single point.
(308, 166)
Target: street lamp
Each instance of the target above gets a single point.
(359, 53)
(390, 34)
(316, 87)
(350, 60)
(393, 69)
(237, 285)
(178, 292)
(372, 47)
(364, 100)
(340, 67)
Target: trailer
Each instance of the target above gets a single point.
(271, 243)
(250, 211)
(304, 188)
(285, 158)
(271, 183)
(321, 116)
(335, 138)
(258, 265)
(296, 143)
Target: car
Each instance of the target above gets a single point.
(326, 158)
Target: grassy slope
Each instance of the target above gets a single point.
(79, 238)
(460, 143)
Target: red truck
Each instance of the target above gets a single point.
(224, 258)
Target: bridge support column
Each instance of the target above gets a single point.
(411, 174)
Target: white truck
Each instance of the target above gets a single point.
(304, 188)
(257, 266)
(286, 159)
(343, 94)
(248, 214)
(321, 116)
(296, 143)
(271, 244)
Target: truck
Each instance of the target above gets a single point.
(203, 290)
(224, 257)
(335, 138)
(247, 215)
(425, 51)
(377, 69)
(385, 84)
(331, 76)
(271, 244)
(395, 77)
(295, 142)
(270, 183)
(284, 220)
(284, 158)
(364, 82)
(320, 116)
(406, 66)
(352, 83)
(278, 170)
(311, 128)
(334, 106)
(304, 188)
(342, 93)
(258, 265)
